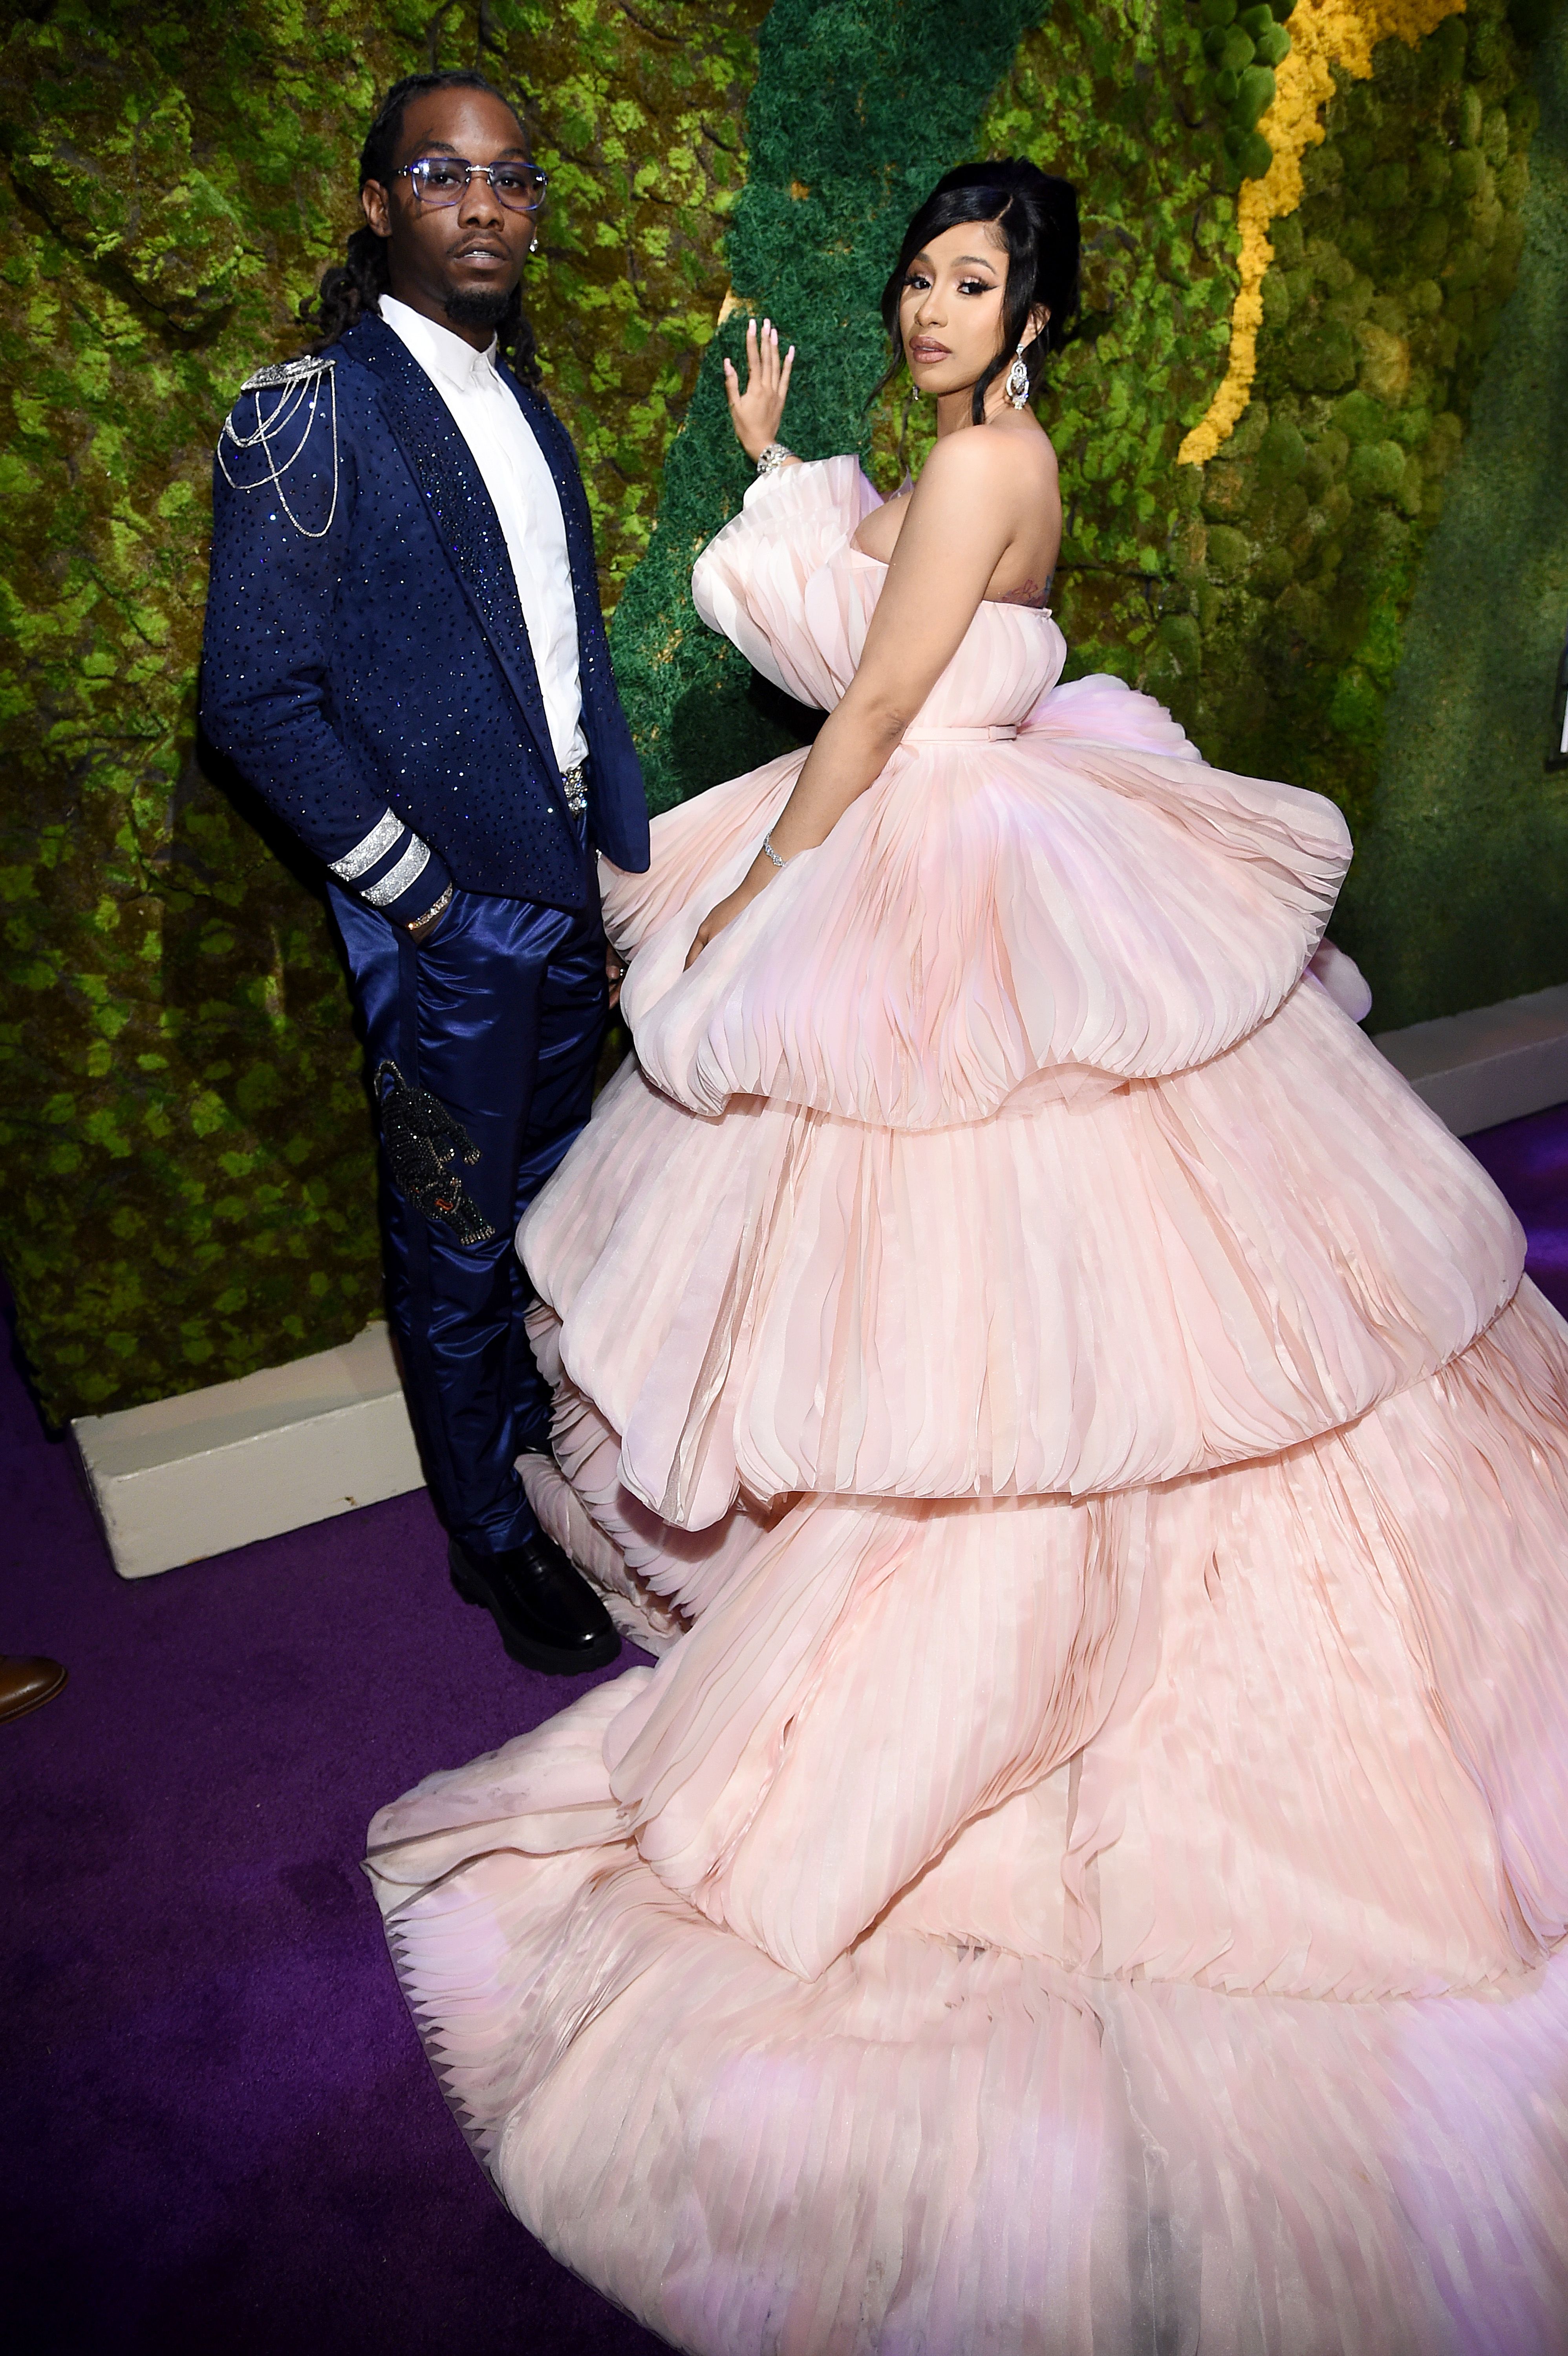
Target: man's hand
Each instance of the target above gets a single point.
(615, 973)
(758, 412)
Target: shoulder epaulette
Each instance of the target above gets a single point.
(256, 454)
(309, 364)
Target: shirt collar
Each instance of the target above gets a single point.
(438, 351)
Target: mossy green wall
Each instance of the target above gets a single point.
(1384, 297)
(185, 1144)
(1459, 892)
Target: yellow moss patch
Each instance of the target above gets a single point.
(1324, 33)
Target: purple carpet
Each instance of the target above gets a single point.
(1528, 1160)
(218, 2130)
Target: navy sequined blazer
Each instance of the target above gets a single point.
(366, 665)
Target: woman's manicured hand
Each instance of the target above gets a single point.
(758, 412)
(729, 908)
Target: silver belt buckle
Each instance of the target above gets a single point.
(576, 780)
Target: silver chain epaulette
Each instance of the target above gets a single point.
(298, 385)
(289, 371)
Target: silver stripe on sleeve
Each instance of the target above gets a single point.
(365, 854)
(398, 880)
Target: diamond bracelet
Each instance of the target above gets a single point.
(416, 923)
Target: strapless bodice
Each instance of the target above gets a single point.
(785, 583)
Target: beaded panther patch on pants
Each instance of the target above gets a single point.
(422, 1140)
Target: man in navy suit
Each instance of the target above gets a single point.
(405, 658)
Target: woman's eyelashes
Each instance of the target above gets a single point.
(919, 284)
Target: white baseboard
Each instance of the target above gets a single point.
(184, 1478)
(1495, 1063)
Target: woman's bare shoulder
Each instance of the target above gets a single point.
(996, 461)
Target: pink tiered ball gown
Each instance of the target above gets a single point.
(1082, 1876)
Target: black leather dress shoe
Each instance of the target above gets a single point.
(549, 1616)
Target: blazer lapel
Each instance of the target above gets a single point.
(463, 514)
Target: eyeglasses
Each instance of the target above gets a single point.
(438, 181)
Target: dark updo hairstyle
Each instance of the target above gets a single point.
(353, 288)
(1035, 217)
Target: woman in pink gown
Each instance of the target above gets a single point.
(1084, 1874)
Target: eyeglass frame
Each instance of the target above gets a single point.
(487, 171)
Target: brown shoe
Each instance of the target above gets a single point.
(26, 1684)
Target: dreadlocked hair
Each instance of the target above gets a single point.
(352, 289)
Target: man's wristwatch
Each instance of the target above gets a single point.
(417, 924)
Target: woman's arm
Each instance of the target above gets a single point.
(964, 516)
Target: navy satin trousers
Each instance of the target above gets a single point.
(500, 1015)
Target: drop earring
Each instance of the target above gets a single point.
(1017, 385)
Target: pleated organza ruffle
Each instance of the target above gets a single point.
(1299, 1758)
(1082, 1293)
(942, 2147)
(1087, 1872)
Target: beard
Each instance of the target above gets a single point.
(478, 307)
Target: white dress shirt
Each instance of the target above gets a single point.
(516, 473)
